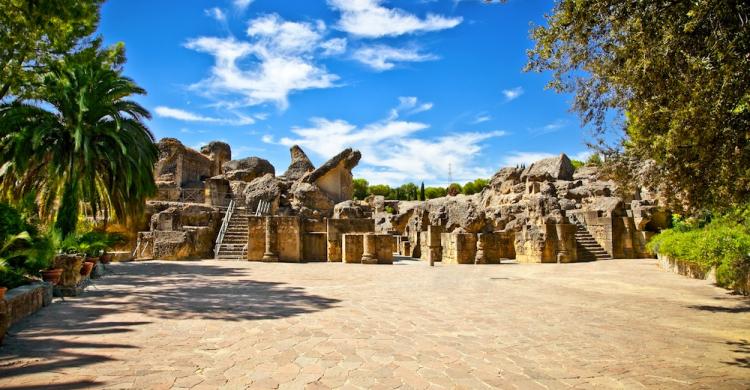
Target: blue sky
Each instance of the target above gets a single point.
(420, 87)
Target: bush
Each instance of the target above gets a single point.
(724, 243)
(24, 250)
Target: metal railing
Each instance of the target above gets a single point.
(223, 230)
(264, 207)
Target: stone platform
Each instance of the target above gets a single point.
(209, 324)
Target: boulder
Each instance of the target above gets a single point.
(247, 169)
(310, 201)
(267, 188)
(219, 153)
(300, 164)
(550, 169)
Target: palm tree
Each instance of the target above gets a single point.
(85, 141)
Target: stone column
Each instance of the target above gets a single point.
(368, 249)
(479, 258)
(270, 255)
(434, 244)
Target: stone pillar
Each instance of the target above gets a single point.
(566, 243)
(270, 255)
(433, 242)
(368, 249)
(480, 257)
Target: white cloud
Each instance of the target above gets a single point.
(512, 94)
(409, 105)
(369, 19)
(187, 116)
(391, 151)
(267, 138)
(555, 126)
(582, 156)
(277, 61)
(333, 46)
(217, 14)
(382, 57)
(481, 119)
(241, 4)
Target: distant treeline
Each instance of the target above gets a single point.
(411, 191)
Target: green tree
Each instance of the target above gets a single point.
(577, 163)
(595, 160)
(435, 192)
(408, 191)
(468, 188)
(380, 189)
(360, 188)
(678, 69)
(34, 34)
(421, 193)
(85, 142)
(453, 189)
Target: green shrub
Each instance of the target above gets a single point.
(24, 250)
(724, 243)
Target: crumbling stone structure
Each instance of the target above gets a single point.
(548, 212)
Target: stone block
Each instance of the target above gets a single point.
(352, 247)
(459, 248)
(337, 227)
(314, 247)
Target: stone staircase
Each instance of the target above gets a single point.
(234, 245)
(588, 248)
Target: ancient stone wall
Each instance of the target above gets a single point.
(276, 235)
(336, 227)
(495, 246)
(352, 247)
(459, 248)
(314, 247)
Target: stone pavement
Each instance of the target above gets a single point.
(209, 324)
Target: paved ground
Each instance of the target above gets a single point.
(613, 324)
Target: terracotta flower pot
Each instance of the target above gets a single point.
(86, 268)
(94, 260)
(2, 292)
(52, 275)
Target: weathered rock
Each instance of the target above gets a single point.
(300, 164)
(310, 201)
(550, 169)
(351, 209)
(267, 188)
(219, 153)
(247, 169)
(335, 176)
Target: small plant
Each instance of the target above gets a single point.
(390, 210)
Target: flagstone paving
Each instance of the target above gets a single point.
(209, 324)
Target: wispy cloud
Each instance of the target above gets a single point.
(512, 94)
(409, 105)
(383, 57)
(481, 118)
(552, 127)
(370, 19)
(217, 14)
(241, 5)
(392, 151)
(277, 60)
(187, 116)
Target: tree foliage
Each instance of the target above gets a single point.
(361, 189)
(84, 142)
(37, 33)
(679, 69)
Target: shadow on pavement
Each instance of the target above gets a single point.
(45, 342)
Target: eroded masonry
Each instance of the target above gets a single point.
(210, 206)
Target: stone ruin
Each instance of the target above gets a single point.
(210, 206)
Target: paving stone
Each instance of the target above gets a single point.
(212, 324)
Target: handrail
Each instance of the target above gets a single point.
(223, 230)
